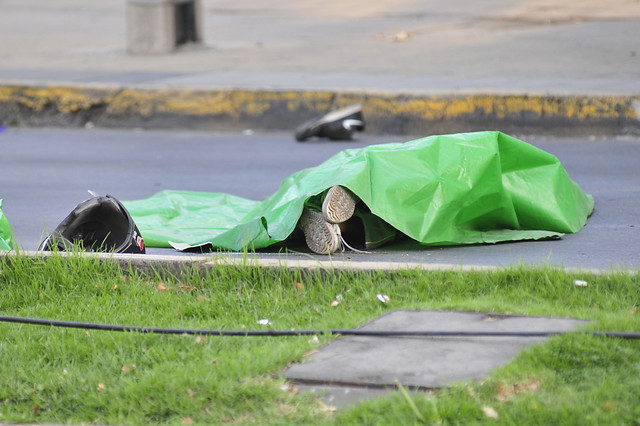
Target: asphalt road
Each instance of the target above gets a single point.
(45, 173)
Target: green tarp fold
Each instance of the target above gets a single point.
(467, 188)
(6, 240)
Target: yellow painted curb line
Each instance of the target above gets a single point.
(19, 103)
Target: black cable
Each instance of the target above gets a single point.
(274, 333)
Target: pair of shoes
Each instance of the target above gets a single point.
(321, 229)
(336, 125)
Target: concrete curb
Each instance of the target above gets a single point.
(232, 110)
(175, 264)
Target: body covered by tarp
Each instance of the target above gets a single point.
(467, 188)
(6, 240)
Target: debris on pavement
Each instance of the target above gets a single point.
(338, 125)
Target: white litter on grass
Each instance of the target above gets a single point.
(580, 283)
(490, 412)
(383, 298)
(264, 321)
(314, 340)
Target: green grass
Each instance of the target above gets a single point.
(56, 375)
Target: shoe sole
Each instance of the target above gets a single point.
(321, 236)
(338, 205)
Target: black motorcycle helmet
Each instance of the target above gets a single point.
(100, 223)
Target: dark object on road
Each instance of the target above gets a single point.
(100, 223)
(336, 125)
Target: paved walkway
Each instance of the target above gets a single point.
(536, 46)
(351, 368)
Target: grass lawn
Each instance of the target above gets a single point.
(58, 375)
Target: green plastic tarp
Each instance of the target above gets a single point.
(6, 239)
(467, 188)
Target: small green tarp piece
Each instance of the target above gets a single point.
(6, 239)
(467, 188)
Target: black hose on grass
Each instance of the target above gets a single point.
(275, 333)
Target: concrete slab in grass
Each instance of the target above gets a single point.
(352, 368)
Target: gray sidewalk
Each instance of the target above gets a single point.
(418, 67)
